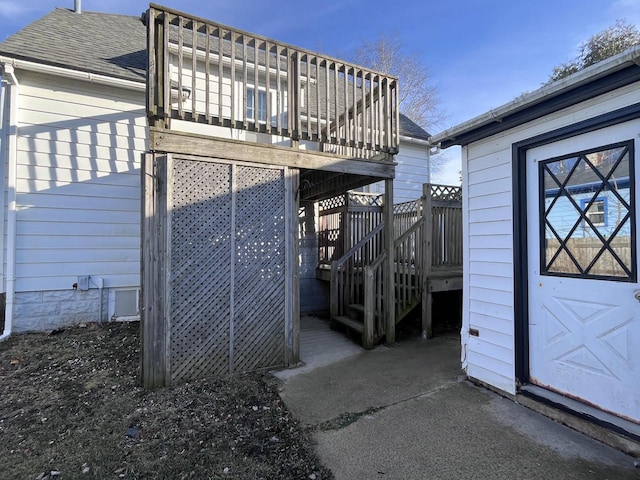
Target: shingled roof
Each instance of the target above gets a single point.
(105, 44)
(101, 43)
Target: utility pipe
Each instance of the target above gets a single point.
(12, 159)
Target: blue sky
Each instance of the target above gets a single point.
(482, 53)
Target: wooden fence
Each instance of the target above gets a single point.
(584, 250)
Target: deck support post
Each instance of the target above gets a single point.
(389, 273)
(154, 327)
(427, 258)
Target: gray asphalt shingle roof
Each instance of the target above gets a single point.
(112, 45)
(102, 43)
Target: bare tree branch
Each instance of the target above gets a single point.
(417, 96)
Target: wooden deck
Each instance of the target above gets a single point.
(243, 129)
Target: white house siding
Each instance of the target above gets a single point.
(411, 172)
(78, 197)
(488, 269)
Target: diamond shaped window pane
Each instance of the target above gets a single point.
(586, 213)
(562, 263)
(608, 265)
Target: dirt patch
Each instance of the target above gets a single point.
(71, 407)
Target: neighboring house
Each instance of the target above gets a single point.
(551, 288)
(74, 128)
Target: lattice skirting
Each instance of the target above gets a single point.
(225, 274)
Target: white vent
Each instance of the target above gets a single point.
(124, 304)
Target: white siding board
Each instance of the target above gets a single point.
(65, 229)
(64, 175)
(57, 199)
(492, 281)
(498, 344)
(85, 268)
(494, 172)
(499, 297)
(28, 145)
(53, 215)
(489, 255)
(500, 353)
(497, 325)
(78, 188)
(491, 268)
(490, 214)
(501, 227)
(494, 241)
(492, 200)
(35, 121)
(505, 383)
(65, 282)
(76, 255)
(483, 156)
(502, 185)
(490, 309)
(31, 242)
(83, 137)
(481, 353)
(79, 164)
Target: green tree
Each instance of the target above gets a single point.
(610, 41)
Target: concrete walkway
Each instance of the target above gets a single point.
(408, 413)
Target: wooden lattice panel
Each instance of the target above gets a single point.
(412, 207)
(360, 199)
(331, 203)
(446, 193)
(200, 269)
(227, 307)
(259, 269)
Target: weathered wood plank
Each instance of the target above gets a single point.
(205, 146)
(154, 348)
(389, 284)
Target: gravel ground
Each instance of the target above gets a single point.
(71, 407)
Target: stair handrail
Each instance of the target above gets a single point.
(341, 281)
(374, 325)
(409, 263)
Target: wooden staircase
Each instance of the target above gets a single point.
(357, 282)
(423, 238)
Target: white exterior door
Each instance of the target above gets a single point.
(584, 319)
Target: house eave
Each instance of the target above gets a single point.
(20, 64)
(605, 76)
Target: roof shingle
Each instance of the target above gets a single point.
(101, 43)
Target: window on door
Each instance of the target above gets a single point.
(587, 225)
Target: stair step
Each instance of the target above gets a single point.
(350, 322)
(356, 307)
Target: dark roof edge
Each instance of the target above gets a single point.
(68, 72)
(615, 72)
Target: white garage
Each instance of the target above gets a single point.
(551, 294)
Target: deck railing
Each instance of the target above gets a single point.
(204, 72)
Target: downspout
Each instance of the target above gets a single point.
(9, 78)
